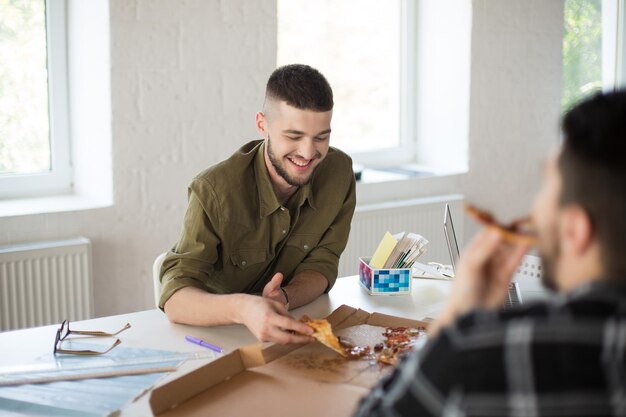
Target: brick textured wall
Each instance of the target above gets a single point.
(187, 77)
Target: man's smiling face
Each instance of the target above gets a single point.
(296, 142)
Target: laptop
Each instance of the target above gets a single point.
(514, 296)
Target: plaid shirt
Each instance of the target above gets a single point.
(563, 357)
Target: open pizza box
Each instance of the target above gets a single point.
(283, 380)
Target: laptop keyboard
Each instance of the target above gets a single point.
(512, 298)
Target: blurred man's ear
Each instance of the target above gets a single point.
(577, 234)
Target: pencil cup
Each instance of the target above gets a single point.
(384, 281)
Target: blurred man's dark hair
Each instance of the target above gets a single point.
(593, 170)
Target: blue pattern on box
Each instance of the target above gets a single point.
(391, 280)
(384, 281)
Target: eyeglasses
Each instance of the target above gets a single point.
(64, 331)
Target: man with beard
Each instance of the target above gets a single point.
(264, 229)
(560, 357)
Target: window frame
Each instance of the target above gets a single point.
(613, 44)
(406, 150)
(620, 80)
(59, 179)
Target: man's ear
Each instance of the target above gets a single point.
(577, 234)
(261, 124)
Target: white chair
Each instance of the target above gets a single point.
(156, 281)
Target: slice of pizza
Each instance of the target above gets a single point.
(323, 332)
(517, 232)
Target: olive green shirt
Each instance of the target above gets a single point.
(236, 235)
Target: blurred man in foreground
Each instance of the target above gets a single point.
(565, 356)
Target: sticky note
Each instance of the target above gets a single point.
(384, 249)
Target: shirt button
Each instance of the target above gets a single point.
(243, 263)
(284, 232)
(282, 209)
(306, 247)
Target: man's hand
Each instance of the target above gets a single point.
(483, 276)
(265, 316)
(269, 321)
(272, 289)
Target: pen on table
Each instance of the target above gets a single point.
(204, 344)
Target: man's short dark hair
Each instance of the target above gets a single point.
(593, 170)
(300, 86)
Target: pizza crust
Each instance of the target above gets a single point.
(516, 233)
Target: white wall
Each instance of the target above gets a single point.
(514, 100)
(188, 76)
(187, 79)
(443, 84)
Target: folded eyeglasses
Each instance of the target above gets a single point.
(64, 332)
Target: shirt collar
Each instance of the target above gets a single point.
(268, 203)
(304, 194)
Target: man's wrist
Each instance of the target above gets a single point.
(240, 300)
(447, 317)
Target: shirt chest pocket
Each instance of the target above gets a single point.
(303, 242)
(247, 258)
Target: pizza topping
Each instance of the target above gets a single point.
(397, 341)
(355, 352)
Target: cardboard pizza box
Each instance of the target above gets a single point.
(282, 380)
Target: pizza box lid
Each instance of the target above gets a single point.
(256, 381)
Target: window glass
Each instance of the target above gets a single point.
(24, 122)
(582, 51)
(356, 44)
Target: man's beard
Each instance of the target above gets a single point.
(280, 169)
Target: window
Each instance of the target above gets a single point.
(34, 140)
(593, 48)
(359, 45)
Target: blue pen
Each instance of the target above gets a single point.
(204, 344)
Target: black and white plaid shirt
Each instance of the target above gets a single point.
(564, 357)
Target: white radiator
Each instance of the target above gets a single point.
(423, 216)
(45, 283)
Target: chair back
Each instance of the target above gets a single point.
(156, 280)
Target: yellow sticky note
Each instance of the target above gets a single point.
(384, 249)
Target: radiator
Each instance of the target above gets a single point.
(423, 216)
(45, 283)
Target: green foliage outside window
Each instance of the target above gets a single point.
(582, 51)
(24, 123)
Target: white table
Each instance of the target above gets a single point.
(151, 329)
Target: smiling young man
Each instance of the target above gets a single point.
(264, 229)
(562, 357)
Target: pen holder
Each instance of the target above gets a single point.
(384, 281)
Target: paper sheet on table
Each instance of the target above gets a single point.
(87, 397)
(421, 270)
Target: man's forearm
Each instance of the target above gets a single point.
(305, 287)
(267, 319)
(194, 306)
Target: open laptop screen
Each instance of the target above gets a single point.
(448, 229)
(513, 297)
